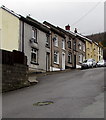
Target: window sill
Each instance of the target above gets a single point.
(48, 46)
(56, 46)
(63, 49)
(80, 62)
(35, 42)
(56, 63)
(34, 63)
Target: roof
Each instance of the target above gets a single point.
(83, 37)
(54, 29)
(10, 11)
(35, 23)
(67, 32)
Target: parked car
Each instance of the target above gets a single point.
(101, 63)
(89, 63)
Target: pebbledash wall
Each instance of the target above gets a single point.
(14, 71)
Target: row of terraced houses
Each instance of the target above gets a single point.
(47, 47)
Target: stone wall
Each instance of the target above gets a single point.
(14, 77)
(15, 74)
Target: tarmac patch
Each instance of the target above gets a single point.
(43, 103)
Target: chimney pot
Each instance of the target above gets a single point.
(75, 30)
(67, 27)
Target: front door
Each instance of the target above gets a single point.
(63, 61)
(74, 61)
(47, 61)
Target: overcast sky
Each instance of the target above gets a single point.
(87, 17)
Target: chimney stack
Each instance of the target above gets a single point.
(67, 27)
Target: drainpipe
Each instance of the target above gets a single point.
(22, 36)
(51, 51)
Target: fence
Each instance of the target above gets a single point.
(11, 58)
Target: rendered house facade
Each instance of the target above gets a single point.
(35, 43)
(80, 50)
(9, 29)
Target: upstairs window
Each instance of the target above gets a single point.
(74, 45)
(79, 45)
(55, 40)
(63, 44)
(69, 44)
(47, 40)
(34, 34)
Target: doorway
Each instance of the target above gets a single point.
(63, 61)
(74, 61)
(47, 61)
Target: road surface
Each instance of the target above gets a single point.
(74, 94)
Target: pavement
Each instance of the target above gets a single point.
(75, 94)
(96, 108)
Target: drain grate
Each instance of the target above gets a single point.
(43, 103)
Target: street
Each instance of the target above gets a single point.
(73, 93)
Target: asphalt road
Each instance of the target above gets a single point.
(73, 93)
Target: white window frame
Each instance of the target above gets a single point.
(47, 40)
(55, 40)
(34, 51)
(83, 57)
(57, 55)
(80, 58)
(70, 43)
(70, 55)
(34, 34)
(83, 48)
(79, 45)
(63, 44)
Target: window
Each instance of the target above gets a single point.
(47, 40)
(63, 44)
(99, 50)
(55, 39)
(79, 45)
(84, 48)
(69, 57)
(80, 58)
(83, 57)
(34, 34)
(69, 44)
(34, 55)
(56, 57)
(74, 46)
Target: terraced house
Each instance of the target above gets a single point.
(74, 47)
(58, 48)
(35, 43)
(80, 49)
(69, 39)
(47, 47)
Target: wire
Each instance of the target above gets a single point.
(82, 17)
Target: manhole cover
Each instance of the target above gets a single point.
(43, 103)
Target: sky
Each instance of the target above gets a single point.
(87, 17)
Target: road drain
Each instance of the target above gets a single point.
(43, 103)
